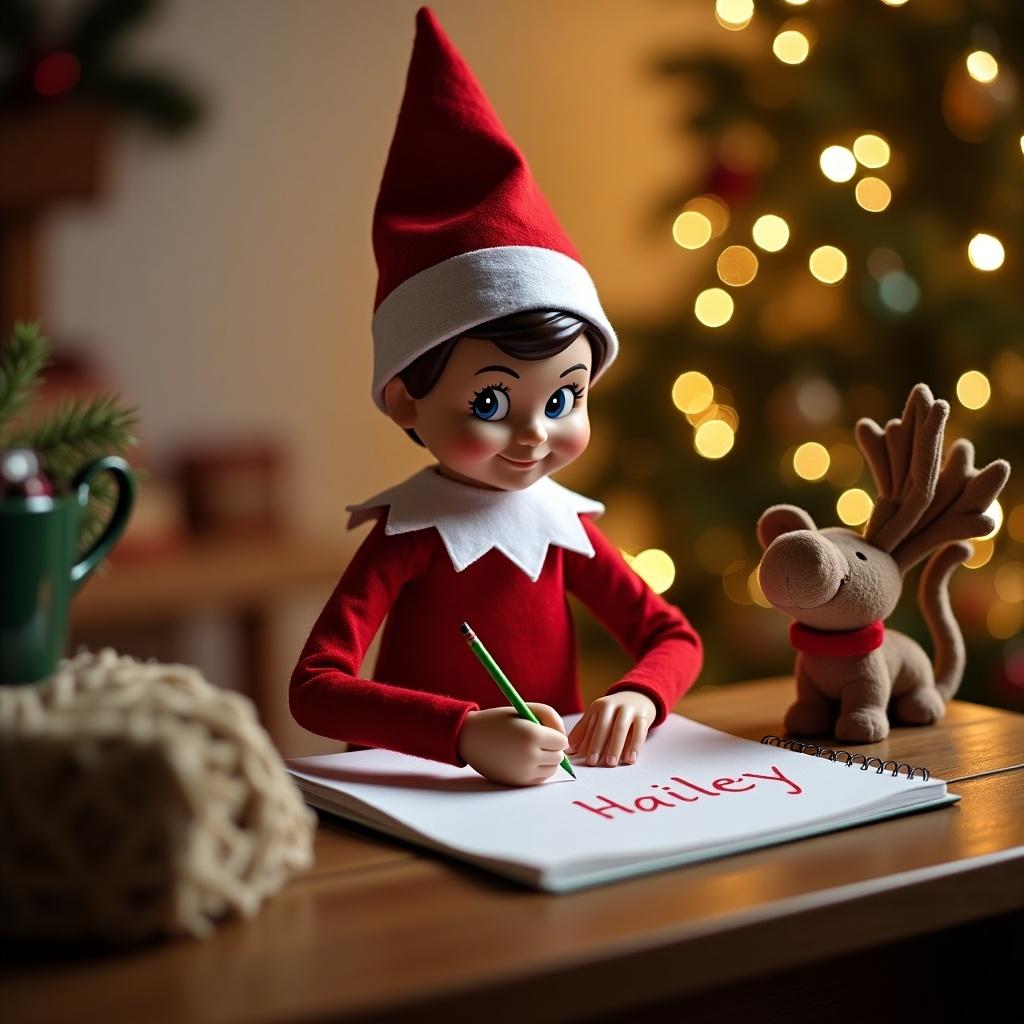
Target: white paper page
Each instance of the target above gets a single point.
(693, 787)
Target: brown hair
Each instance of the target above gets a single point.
(535, 334)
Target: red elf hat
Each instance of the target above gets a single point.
(461, 231)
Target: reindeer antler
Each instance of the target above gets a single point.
(958, 507)
(904, 460)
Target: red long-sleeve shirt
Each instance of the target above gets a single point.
(427, 680)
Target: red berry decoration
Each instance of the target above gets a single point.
(21, 475)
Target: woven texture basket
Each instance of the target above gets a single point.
(138, 800)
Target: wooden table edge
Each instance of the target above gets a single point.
(772, 937)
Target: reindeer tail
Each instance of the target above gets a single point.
(933, 597)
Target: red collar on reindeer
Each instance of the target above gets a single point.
(848, 643)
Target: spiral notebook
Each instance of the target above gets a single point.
(695, 794)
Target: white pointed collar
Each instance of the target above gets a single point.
(472, 520)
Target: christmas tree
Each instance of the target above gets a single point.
(857, 230)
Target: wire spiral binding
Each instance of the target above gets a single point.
(845, 757)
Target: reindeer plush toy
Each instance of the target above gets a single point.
(839, 586)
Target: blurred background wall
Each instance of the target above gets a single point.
(222, 281)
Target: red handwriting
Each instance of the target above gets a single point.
(686, 792)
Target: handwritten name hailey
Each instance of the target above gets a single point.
(683, 792)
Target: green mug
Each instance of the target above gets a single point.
(41, 568)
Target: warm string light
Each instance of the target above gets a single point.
(792, 45)
(982, 66)
(983, 551)
(713, 307)
(872, 194)
(985, 252)
(828, 264)
(871, 150)
(770, 232)
(854, 506)
(838, 163)
(715, 423)
(692, 392)
(734, 14)
(655, 567)
(973, 389)
(737, 266)
(714, 439)
(811, 461)
(691, 230)
(995, 512)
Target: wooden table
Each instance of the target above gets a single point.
(915, 918)
(245, 578)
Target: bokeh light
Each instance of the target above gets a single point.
(995, 513)
(1008, 370)
(817, 400)
(845, 465)
(735, 582)
(734, 14)
(691, 229)
(791, 46)
(1004, 619)
(871, 150)
(737, 265)
(872, 194)
(770, 232)
(1015, 523)
(828, 264)
(713, 209)
(714, 439)
(656, 568)
(985, 252)
(899, 291)
(882, 261)
(854, 506)
(983, 550)
(973, 389)
(1009, 581)
(692, 392)
(755, 591)
(838, 163)
(982, 66)
(713, 307)
(811, 461)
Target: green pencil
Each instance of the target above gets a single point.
(504, 685)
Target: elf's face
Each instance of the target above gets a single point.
(495, 421)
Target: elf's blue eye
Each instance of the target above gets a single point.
(490, 404)
(560, 404)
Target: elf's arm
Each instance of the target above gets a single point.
(666, 649)
(326, 694)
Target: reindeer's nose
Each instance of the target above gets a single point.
(801, 569)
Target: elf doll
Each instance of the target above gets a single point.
(488, 334)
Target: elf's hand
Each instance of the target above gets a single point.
(508, 749)
(613, 729)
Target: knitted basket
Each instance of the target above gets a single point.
(137, 800)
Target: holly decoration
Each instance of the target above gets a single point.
(80, 58)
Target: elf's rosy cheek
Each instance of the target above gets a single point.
(477, 440)
(575, 436)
